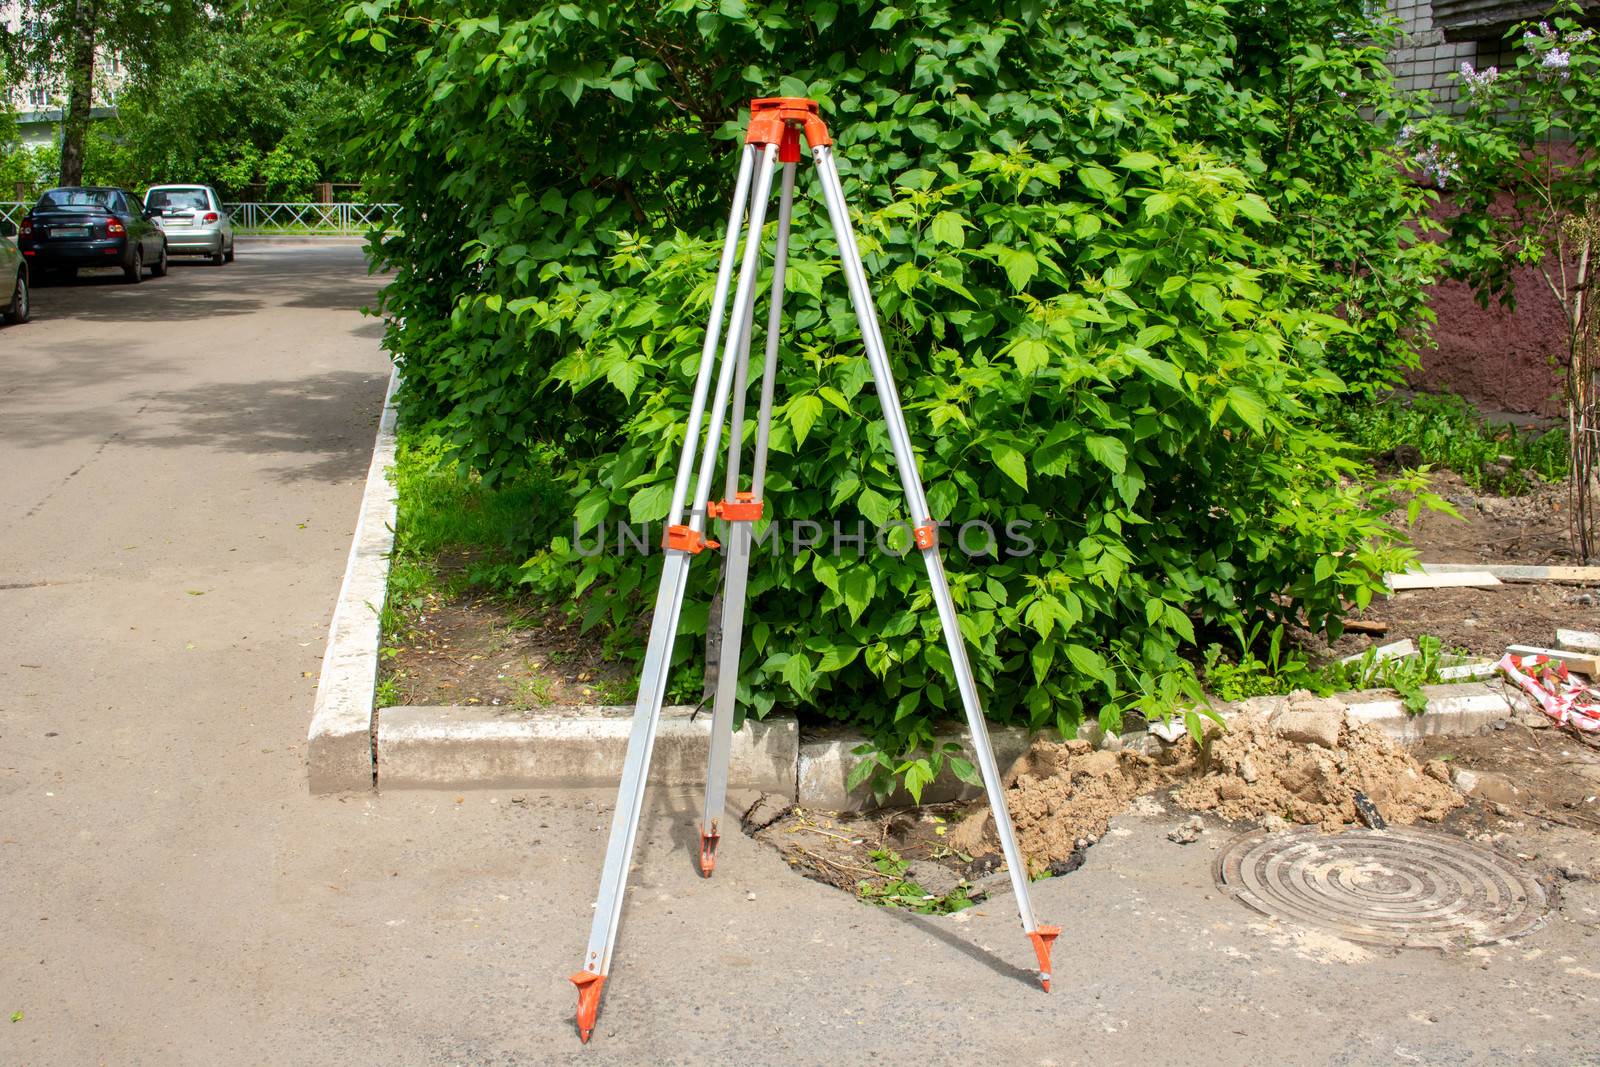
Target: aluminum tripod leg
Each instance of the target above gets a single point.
(669, 596)
(737, 566)
(917, 504)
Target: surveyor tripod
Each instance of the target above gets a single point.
(776, 126)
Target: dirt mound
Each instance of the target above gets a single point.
(1061, 792)
(1305, 764)
(1253, 771)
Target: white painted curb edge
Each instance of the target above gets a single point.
(339, 747)
(579, 747)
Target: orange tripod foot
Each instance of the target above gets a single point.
(1042, 939)
(708, 850)
(589, 986)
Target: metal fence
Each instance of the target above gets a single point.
(315, 218)
(273, 218)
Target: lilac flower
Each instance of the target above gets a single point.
(1556, 61)
(1438, 168)
(1583, 36)
(1476, 81)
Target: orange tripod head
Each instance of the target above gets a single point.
(780, 120)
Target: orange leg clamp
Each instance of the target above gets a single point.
(1042, 938)
(589, 985)
(744, 509)
(708, 850)
(681, 538)
(926, 535)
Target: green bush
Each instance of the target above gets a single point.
(1093, 233)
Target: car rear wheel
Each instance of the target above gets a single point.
(220, 256)
(133, 273)
(160, 269)
(228, 258)
(20, 306)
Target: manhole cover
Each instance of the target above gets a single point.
(1396, 887)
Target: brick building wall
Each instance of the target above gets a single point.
(1425, 60)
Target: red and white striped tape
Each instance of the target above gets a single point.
(1564, 697)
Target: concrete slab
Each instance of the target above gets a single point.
(1459, 708)
(339, 744)
(569, 748)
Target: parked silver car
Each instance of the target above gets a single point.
(193, 220)
(13, 279)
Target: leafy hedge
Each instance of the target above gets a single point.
(1123, 252)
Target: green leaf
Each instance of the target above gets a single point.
(875, 507)
(1159, 204)
(964, 770)
(1011, 463)
(857, 588)
(1089, 662)
(651, 504)
(803, 412)
(1159, 369)
(859, 773)
(1248, 406)
(625, 376)
(1138, 161)
(1031, 355)
(797, 673)
(834, 397)
(1109, 451)
(1020, 266)
(918, 775)
(948, 228)
(1099, 180)
(591, 509)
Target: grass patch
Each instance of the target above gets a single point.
(452, 527)
(1446, 431)
(1278, 669)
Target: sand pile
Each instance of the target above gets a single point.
(1263, 766)
(1304, 764)
(1061, 792)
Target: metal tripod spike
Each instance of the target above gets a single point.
(776, 126)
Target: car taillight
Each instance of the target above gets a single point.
(27, 228)
(210, 216)
(115, 229)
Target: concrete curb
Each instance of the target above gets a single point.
(571, 747)
(339, 747)
(583, 746)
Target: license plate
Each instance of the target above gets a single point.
(177, 222)
(69, 231)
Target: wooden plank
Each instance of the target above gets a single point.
(1582, 662)
(1428, 580)
(1578, 640)
(1365, 626)
(1512, 572)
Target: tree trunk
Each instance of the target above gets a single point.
(80, 91)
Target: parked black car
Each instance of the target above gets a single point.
(92, 226)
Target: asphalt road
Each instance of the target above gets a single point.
(181, 465)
